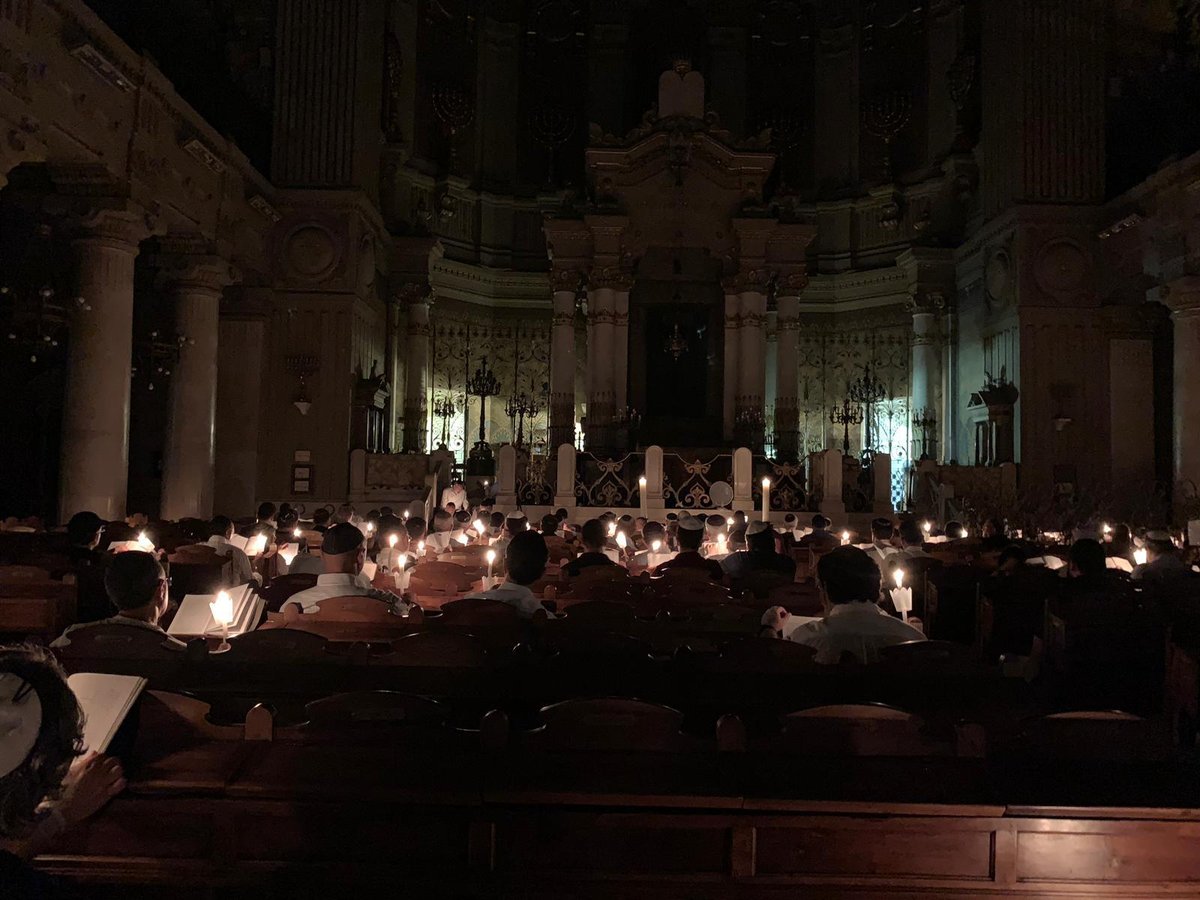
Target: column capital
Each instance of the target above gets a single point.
(792, 284)
(1182, 297)
(611, 277)
(927, 301)
(190, 262)
(566, 278)
(733, 284)
(409, 293)
(96, 206)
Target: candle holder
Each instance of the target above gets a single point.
(518, 408)
(482, 384)
(866, 391)
(445, 406)
(925, 421)
(846, 415)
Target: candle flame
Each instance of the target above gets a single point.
(296, 532)
(926, 527)
(478, 526)
(642, 481)
(622, 541)
(222, 608)
(370, 527)
(1140, 556)
(391, 540)
(899, 576)
(766, 482)
(612, 528)
(729, 521)
(656, 546)
(491, 556)
(845, 537)
(144, 541)
(462, 539)
(420, 546)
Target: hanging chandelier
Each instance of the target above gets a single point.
(36, 317)
(155, 356)
(676, 344)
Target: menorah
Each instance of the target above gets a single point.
(884, 116)
(846, 415)
(925, 420)
(444, 407)
(518, 408)
(482, 384)
(866, 391)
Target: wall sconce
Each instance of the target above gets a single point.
(303, 366)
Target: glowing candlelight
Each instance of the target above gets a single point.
(729, 521)
(406, 515)
(491, 559)
(622, 541)
(845, 538)
(420, 548)
(655, 546)
(370, 527)
(296, 531)
(392, 540)
(899, 576)
(642, 495)
(462, 539)
(1107, 529)
(478, 526)
(901, 596)
(288, 553)
(222, 613)
(722, 544)
(256, 545)
(766, 510)
(1140, 556)
(145, 543)
(612, 529)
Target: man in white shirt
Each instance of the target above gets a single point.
(914, 541)
(853, 623)
(881, 537)
(455, 493)
(525, 560)
(221, 529)
(342, 555)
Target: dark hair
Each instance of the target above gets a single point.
(220, 525)
(690, 538)
(515, 525)
(881, 529)
(415, 526)
(1088, 557)
(593, 534)
(848, 575)
(525, 557)
(739, 517)
(288, 520)
(819, 522)
(1012, 551)
(442, 520)
(910, 532)
(561, 514)
(953, 530)
(496, 520)
(652, 529)
(761, 541)
(266, 509)
(549, 525)
(131, 578)
(83, 527)
(321, 515)
(59, 740)
(714, 521)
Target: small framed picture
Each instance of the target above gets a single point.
(301, 472)
(301, 487)
(302, 479)
(302, 456)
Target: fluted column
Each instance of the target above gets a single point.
(1183, 298)
(95, 435)
(620, 346)
(787, 377)
(600, 366)
(562, 360)
(754, 349)
(416, 382)
(926, 368)
(194, 283)
(732, 379)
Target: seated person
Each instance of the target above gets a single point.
(513, 525)
(690, 536)
(462, 524)
(321, 519)
(954, 530)
(549, 526)
(266, 514)
(853, 623)
(415, 528)
(994, 537)
(1088, 563)
(343, 556)
(137, 586)
(760, 555)
(821, 539)
(84, 531)
(654, 532)
(495, 525)
(220, 531)
(443, 524)
(714, 527)
(455, 493)
(1163, 567)
(913, 540)
(1120, 543)
(595, 538)
(525, 561)
(881, 540)
(45, 786)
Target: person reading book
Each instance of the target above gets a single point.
(220, 530)
(690, 536)
(46, 786)
(594, 541)
(137, 586)
(525, 561)
(342, 555)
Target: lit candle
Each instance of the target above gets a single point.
(399, 572)
(845, 538)
(612, 529)
(642, 495)
(420, 549)
(478, 526)
(1140, 556)
(222, 613)
(406, 515)
(766, 510)
(622, 541)
(256, 545)
(145, 543)
(370, 527)
(729, 521)
(902, 596)
(926, 527)
(462, 539)
(296, 531)
(722, 546)
(491, 559)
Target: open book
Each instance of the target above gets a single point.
(106, 701)
(1053, 563)
(1119, 563)
(194, 617)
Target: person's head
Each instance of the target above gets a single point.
(993, 528)
(496, 522)
(594, 535)
(954, 530)
(84, 529)
(450, 509)
(385, 511)
(1087, 559)
(820, 523)
(760, 537)
(344, 550)
(1011, 559)
(639, 525)
(690, 534)
(713, 526)
(415, 526)
(525, 557)
(1121, 535)
(442, 521)
(462, 519)
(266, 511)
(911, 533)
(136, 585)
(739, 519)
(654, 531)
(287, 521)
(789, 521)
(488, 503)
(881, 530)
(41, 726)
(848, 575)
(344, 513)
(515, 524)
(321, 515)
(220, 526)
(549, 525)
(561, 514)
(1158, 544)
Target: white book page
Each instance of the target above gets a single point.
(106, 701)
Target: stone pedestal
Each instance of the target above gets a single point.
(194, 283)
(95, 435)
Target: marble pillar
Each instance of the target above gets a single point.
(1183, 299)
(754, 349)
(416, 382)
(926, 369)
(620, 347)
(732, 379)
(562, 369)
(95, 435)
(194, 284)
(787, 378)
(601, 328)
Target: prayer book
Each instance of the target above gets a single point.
(1118, 562)
(791, 623)
(105, 701)
(194, 617)
(1193, 533)
(1053, 563)
(123, 546)
(369, 569)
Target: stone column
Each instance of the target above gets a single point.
(95, 435)
(732, 387)
(195, 283)
(600, 367)
(1183, 299)
(787, 377)
(562, 360)
(926, 370)
(240, 370)
(417, 377)
(620, 346)
(754, 349)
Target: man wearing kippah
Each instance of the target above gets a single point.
(690, 537)
(342, 555)
(760, 555)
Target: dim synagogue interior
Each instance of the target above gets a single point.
(599, 448)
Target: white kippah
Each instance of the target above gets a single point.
(691, 523)
(20, 721)
(757, 527)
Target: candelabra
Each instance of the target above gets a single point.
(444, 407)
(482, 384)
(750, 423)
(867, 391)
(846, 415)
(676, 343)
(517, 408)
(154, 356)
(37, 318)
(627, 422)
(884, 117)
(925, 420)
